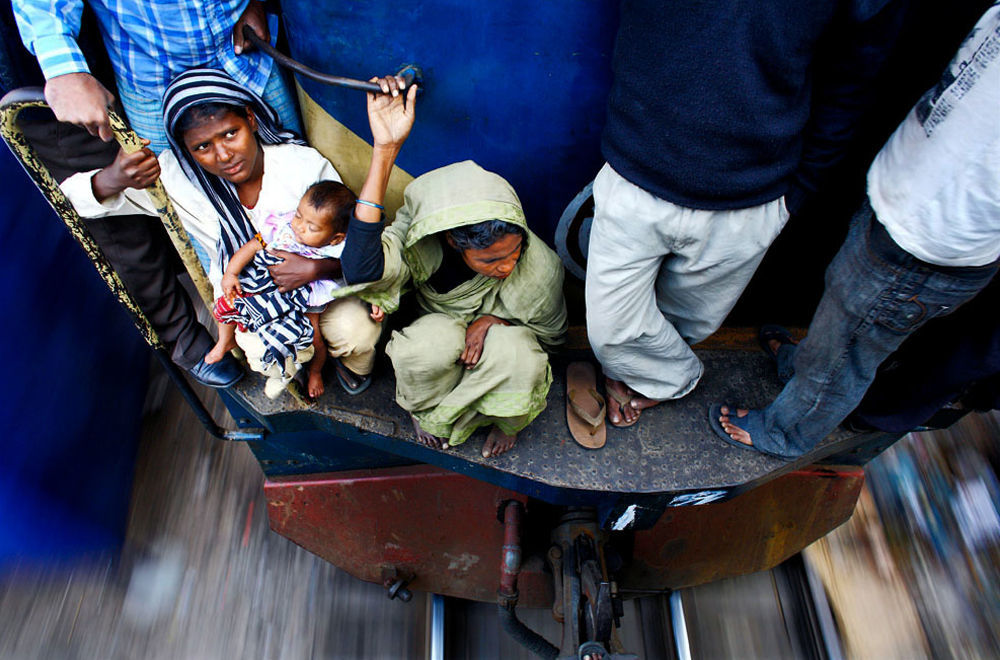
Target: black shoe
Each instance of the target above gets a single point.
(223, 373)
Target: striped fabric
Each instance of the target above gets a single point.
(149, 42)
(277, 318)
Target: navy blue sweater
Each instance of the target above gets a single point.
(724, 104)
(362, 260)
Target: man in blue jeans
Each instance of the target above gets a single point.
(927, 241)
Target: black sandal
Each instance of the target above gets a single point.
(351, 382)
(776, 333)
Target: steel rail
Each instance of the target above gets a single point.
(682, 646)
(437, 627)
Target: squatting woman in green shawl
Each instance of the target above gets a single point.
(492, 295)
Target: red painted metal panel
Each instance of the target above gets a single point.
(442, 529)
(421, 521)
(752, 532)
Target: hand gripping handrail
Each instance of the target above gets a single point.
(130, 143)
(410, 73)
(11, 106)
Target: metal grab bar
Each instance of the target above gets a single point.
(11, 106)
(130, 143)
(410, 73)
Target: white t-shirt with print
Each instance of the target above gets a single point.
(935, 185)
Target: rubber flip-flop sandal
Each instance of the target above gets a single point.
(714, 413)
(362, 382)
(749, 423)
(622, 402)
(777, 333)
(585, 420)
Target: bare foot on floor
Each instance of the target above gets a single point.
(219, 351)
(735, 432)
(624, 403)
(425, 438)
(316, 387)
(498, 442)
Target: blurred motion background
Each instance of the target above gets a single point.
(128, 533)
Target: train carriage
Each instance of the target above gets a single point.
(663, 505)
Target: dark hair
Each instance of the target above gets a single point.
(336, 199)
(483, 234)
(197, 115)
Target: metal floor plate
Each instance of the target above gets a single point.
(672, 449)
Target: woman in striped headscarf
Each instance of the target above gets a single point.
(230, 163)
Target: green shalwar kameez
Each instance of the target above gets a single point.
(508, 385)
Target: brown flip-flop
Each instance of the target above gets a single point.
(585, 407)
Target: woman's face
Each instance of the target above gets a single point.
(225, 145)
(497, 260)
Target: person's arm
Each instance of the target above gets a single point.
(137, 170)
(48, 30)
(256, 17)
(391, 116)
(231, 287)
(363, 260)
(295, 270)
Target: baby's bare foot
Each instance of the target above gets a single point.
(316, 388)
(219, 351)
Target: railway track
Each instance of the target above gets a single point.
(781, 613)
(243, 591)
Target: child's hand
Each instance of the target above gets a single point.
(231, 287)
(378, 314)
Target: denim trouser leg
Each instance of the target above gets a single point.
(876, 295)
(785, 362)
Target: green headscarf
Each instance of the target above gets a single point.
(455, 196)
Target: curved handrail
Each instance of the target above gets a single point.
(410, 73)
(33, 97)
(130, 143)
(11, 106)
(23, 98)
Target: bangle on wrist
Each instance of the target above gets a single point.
(371, 204)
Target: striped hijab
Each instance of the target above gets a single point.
(277, 318)
(196, 87)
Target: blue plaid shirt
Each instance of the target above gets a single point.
(149, 41)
